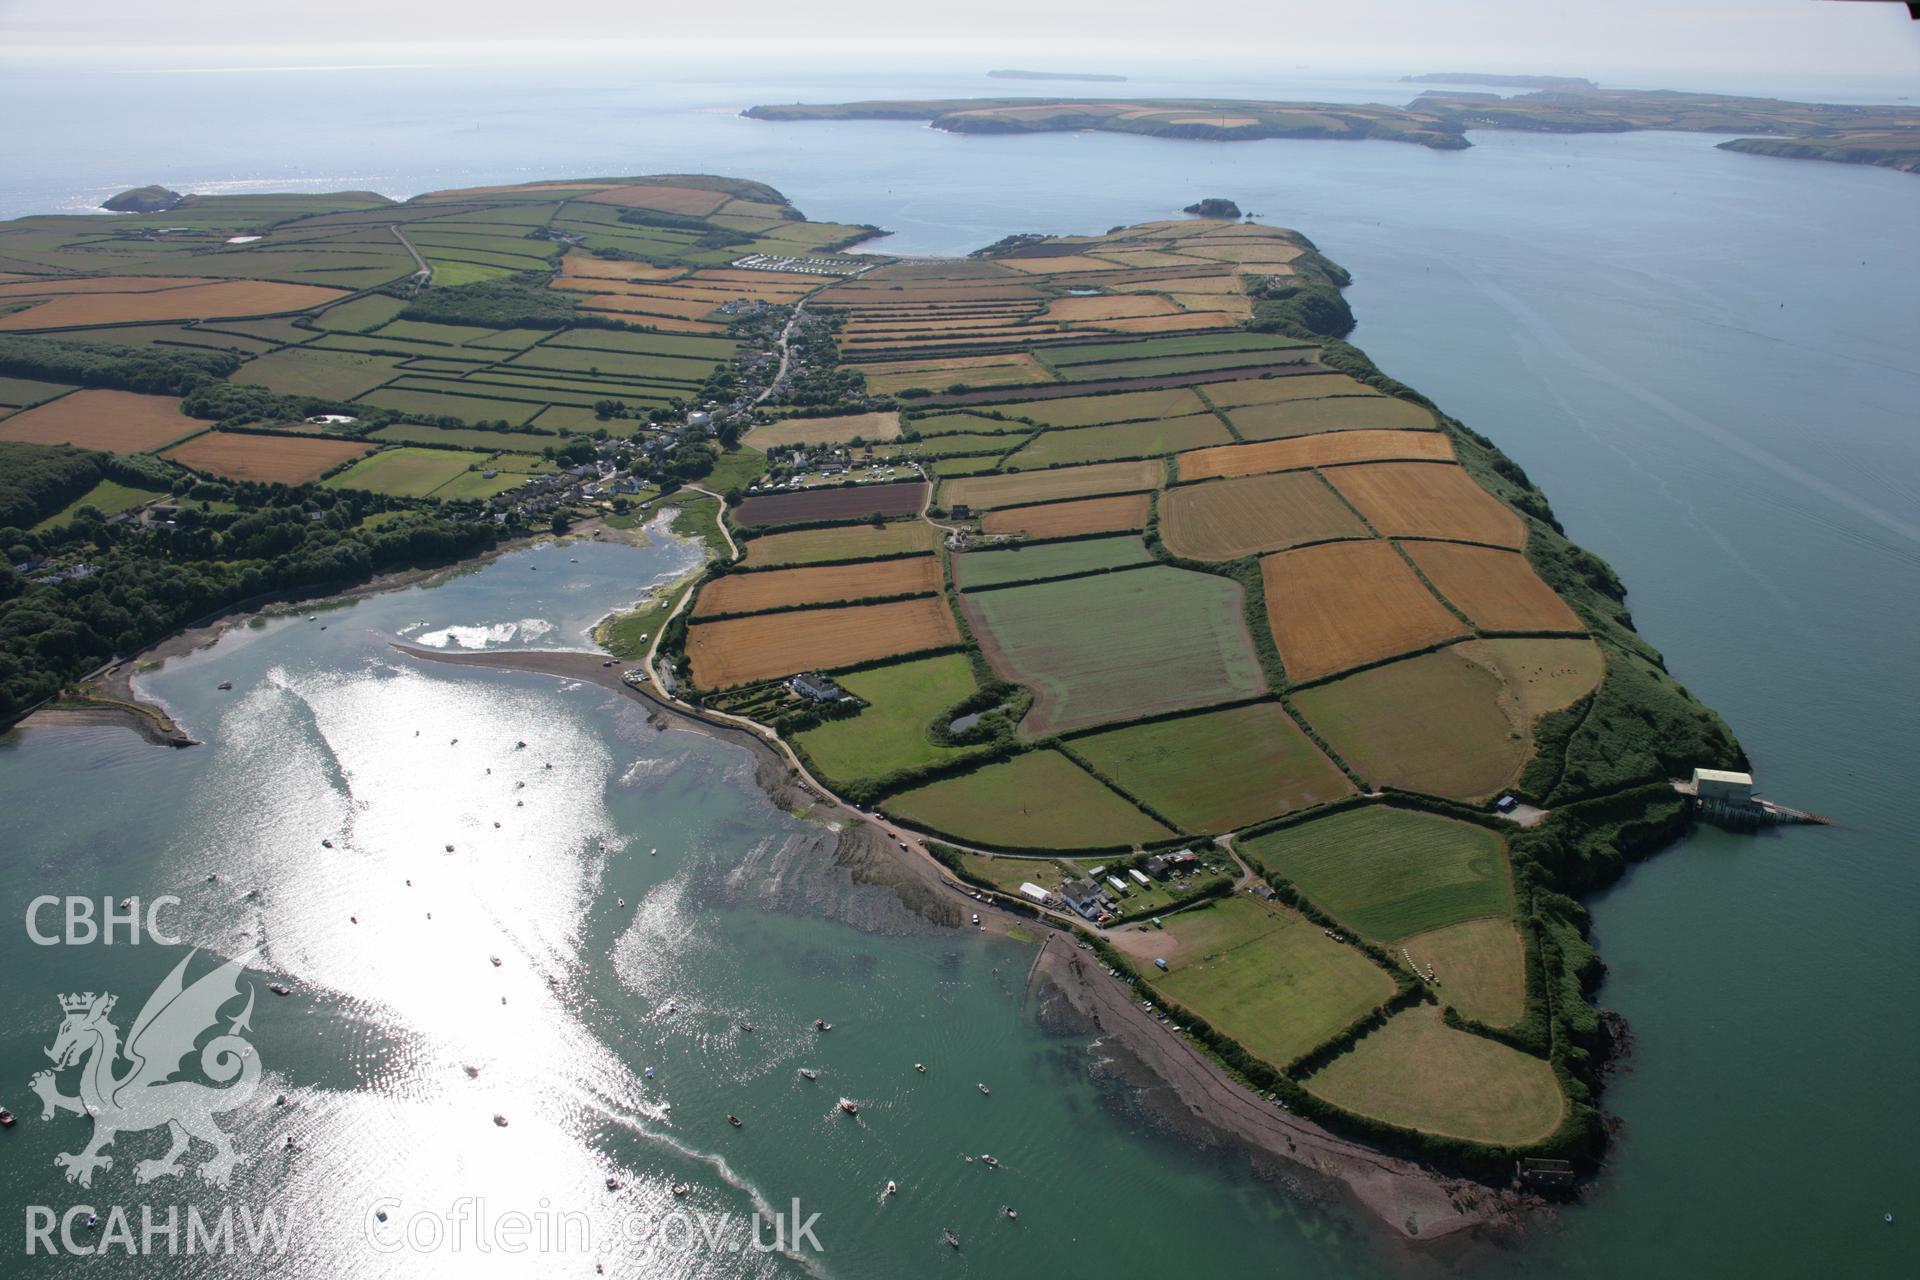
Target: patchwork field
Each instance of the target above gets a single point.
(1340, 413)
(331, 375)
(1067, 519)
(1118, 646)
(1497, 590)
(266, 459)
(851, 502)
(1227, 519)
(1267, 976)
(986, 492)
(788, 432)
(1314, 451)
(1479, 966)
(185, 301)
(1151, 439)
(890, 733)
(1039, 800)
(1541, 674)
(1464, 742)
(839, 542)
(1390, 873)
(1344, 604)
(975, 569)
(737, 651)
(523, 442)
(781, 588)
(1219, 770)
(1091, 411)
(116, 421)
(407, 472)
(1422, 500)
(1420, 1073)
(1300, 386)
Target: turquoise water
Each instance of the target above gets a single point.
(1706, 359)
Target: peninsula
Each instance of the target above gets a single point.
(1090, 76)
(1101, 570)
(1886, 136)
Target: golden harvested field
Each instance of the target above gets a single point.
(1185, 322)
(1060, 265)
(1334, 413)
(1541, 674)
(54, 286)
(1422, 500)
(267, 459)
(116, 421)
(985, 492)
(649, 304)
(1480, 964)
(1103, 308)
(1331, 449)
(1344, 604)
(779, 588)
(738, 651)
(1497, 590)
(689, 200)
(1418, 1072)
(791, 431)
(1065, 519)
(839, 542)
(1299, 386)
(935, 375)
(586, 267)
(1467, 742)
(1231, 518)
(226, 298)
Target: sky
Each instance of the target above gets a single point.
(1804, 37)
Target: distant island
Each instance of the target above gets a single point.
(1213, 207)
(1057, 75)
(153, 199)
(1500, 81)
(1887, 136)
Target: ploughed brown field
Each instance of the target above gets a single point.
(267, 459)
(849, 502)
(780, 588)
(1331, 449)
(735, 651)
(1226, 519)
(116, 421)
(1498, 590)
(1422, 500)
(1344, 604)
(1064, 519)
(224, 298)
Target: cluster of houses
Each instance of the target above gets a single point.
(44, 571)
(1098, 895)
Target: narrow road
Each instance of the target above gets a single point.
(424, 274)
(786, 352)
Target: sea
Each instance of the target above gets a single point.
(519, 975)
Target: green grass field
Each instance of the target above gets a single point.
(1418, 1072)
(22, 393)
(1045, 560)
(891, 732)
(1339, 413)
(613, 363)
(477, 485)
(1391, 872)
(1480, 966)
(405, 472)
(1162, 366)
(1118, 646)
(1088, 411)
(361, 314)
(1144, 348)
(1266, 976)
(330, 375)
(109, 497)
(964, 466)
(956, 444)
(467, 408)
(1218, 771)
(666, 344)
(941, 424)
(1040, 800)
(1132, 440)
(1463, 744)
(840, 542)
(736, 469)
(464, 437)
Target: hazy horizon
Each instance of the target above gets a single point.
(1632, 42)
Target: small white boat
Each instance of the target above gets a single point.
(921, 1067)
(809, 1073)
(1010, 1211)
(849, 1106)
(280, 988)
(6, 1118)
(989, 1161)
(821, 1024)
(982, 1088)
(500, 1120)
(680, 1188)
(892, 1189)
(496, 961)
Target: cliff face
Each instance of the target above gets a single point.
(153, 199)
(1904, 158)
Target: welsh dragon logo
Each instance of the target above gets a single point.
(145, 1095)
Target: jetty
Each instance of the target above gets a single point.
(1726, 799)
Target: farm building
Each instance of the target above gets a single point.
(1157, 867)
(1035, 894)
(1723, 785)
(1083, 896)
(817, 688)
